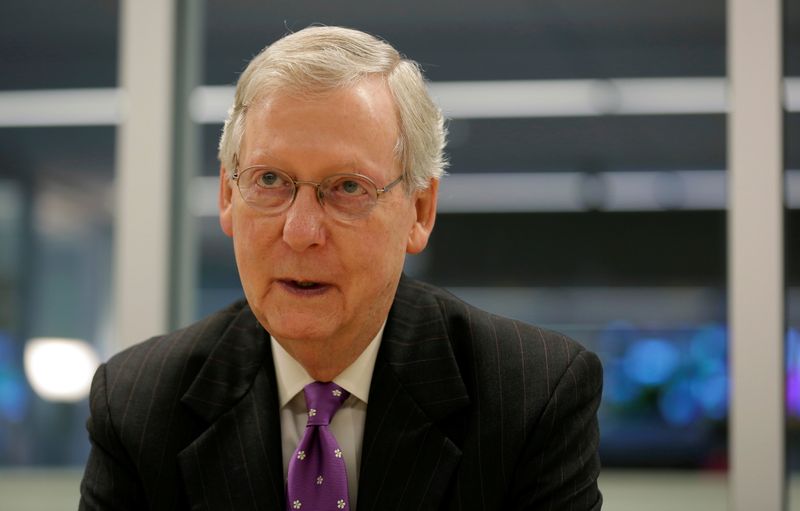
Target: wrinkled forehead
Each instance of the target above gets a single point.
(369, 99)
(358, 123)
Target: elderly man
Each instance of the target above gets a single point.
(340, 383)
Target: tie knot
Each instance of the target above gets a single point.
(323, 399)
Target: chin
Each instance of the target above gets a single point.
(299, 329)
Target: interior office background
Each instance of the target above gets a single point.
(588, 193)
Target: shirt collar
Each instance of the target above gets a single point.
(356, 378)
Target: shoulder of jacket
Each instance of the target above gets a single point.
(489, 332)
(185, 349)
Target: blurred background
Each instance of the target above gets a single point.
(587, 194)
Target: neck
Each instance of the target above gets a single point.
(325, 360)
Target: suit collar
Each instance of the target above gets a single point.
(418, 349)
(407, 459)
(236, 462)
(231, 367)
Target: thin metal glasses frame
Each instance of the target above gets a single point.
(235, 177)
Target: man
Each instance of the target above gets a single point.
(330, 164)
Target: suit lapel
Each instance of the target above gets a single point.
(408, 454)
(236, 463)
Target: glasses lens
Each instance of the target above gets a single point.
(266, 188)
(349, 195)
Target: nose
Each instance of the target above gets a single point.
(303, 227)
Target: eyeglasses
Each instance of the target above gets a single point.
(345, 196)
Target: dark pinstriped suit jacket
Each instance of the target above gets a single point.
(467, 410)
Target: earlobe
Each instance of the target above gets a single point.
(425, 206)
(225, 202)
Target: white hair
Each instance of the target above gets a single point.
(321, 59)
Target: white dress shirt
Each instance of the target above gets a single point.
(347, 424)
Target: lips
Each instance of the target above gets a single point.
(304, 284)
(304, 287)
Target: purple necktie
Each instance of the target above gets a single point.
(317, 475)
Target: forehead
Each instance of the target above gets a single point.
(357, 123)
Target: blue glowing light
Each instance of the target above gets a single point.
(13, 399)
(711, 393)
(14, 393)
(676, 404)
(793, 372)
(709, 343)
(651, 361)
(618, 388)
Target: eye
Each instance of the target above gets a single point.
(269, 179)
(349, 186)
(352, 187)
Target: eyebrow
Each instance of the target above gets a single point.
(345, 167)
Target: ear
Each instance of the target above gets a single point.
(225, 201)
(425, 205)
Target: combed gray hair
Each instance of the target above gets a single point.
(320, 59)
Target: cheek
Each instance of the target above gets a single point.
(252, 241)
(384, 247)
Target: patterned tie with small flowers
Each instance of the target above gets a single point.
(317, 475)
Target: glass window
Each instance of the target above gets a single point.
(56, 211)
(47, 44)
(55, 272)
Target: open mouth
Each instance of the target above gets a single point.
(306, 284)
(303, 285)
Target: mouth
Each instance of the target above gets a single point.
(304, 287)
